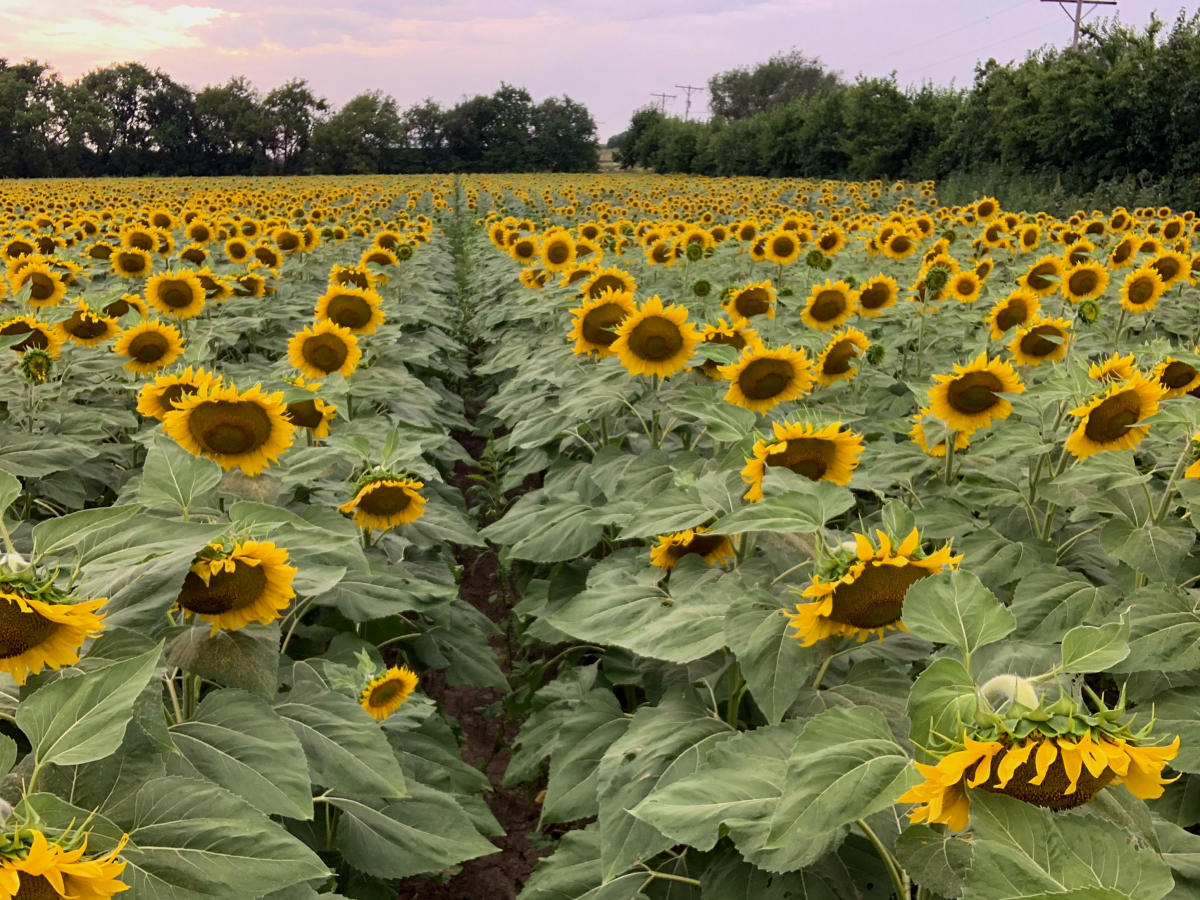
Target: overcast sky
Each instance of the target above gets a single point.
(609, 55)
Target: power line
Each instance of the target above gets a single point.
(687, 107)
(662, 100)
(1078, 15)
(937, 38)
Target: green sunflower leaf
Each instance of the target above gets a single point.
(802, 511)
(172, 478)
(955, 608)
(574, 872)
(10, 490)
(1090, 649)
(580, 743)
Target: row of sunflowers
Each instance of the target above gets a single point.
(869, 527)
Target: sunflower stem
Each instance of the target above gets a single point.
(170, 682)
(8, 541)
(921, 333)
(1120, 329)
(651, 874)
(948, 475)
(737, 687)
(1165, 506)
(900, 881)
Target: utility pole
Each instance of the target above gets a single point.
(662, 101)
(1077, 16)
(687, 103)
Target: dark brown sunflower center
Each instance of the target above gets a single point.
(1081, 283)
(752, 302)
(131, 263)
(100, 251)
(305, 414)
(41, 286)
(1123, 252)
(385, 693)
(1051, 792)
(1177, 375)
(839, 357)
(175, 294)
(605, 283)
(19, 248)
(1041, 277)
(288, 241)
(37, 338)
(1111, 419)
(655, 339)
(876, 597)
(974, 392)
(20, 630)
(238, 251)
(141, 240)
(964, 287)
(117, 308)
(149, 346)
(661, 252)
(173, 393)
(1036, 344)
(1012, 315)
(326, 352)
(385, 500)
(225, 591)
(524, 249)
(35, 887)
(766, 378)
(557, 253)
(900, 244)
(810, 457)
(577, 276)
(358, 279)
(349, 311)
(827, 242)
(598, 323)
(874, 296)
(828, 305)
(783, 246)
(1029, 238)
(700, 544)
(1167, 268)
(84, 326)
(230, 426)
(1141, 291)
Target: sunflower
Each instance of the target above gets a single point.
(179, 295)
(593, 324)
(1044, 275)
(835, 361)
(861, 593)
(829, 305)
(1176, 377)
(1085, 281)
(123, 304)
(820, 454)
(46, 287)
(671, 548)
(1115, 368)
(738, 335)
(324, 348)
(534, 279)
(384, 501)
(149, 345)
(877, 295)
(237, 250)
(751, 300)
(1017, 309)
(387, 693)
(610, 279)
(524, 250)
(231, 587)
(1109, 420)
(46, 871)
(557, 251)
(355, 309)
(971, 398)
(962, 440)
(899, 245)
(314, 414)
(40, 335)
(86, 328)
(249, 284)
(782, 247)
(964, 286)
(354, 276)
(1051, 771)
(762, 379)
(157, 399)
(656, 339)
(130, 262)
(1172, 267)
(36, 634)
(1042, 340)
(1142, 289)
(245, 430)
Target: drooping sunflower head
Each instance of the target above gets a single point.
(594, 324)
(751, 300)
(860, 593)
(159, 397)
(876, 295)
(1142, 289)
(656, 339)
(87, 328)
(149, 346)
(1042, 340)
(972, 396)
(819, 454)
(829, 305)
(231, 585)
(1017, 309)
(357, 309)
(384, 695)
(1116, 368)
(324, 348)
(1109, 420)
(384, 500)
(179, 295)
(836, 361)
(245, 430)
(715, 549)
(1176, 377)
(43, 629)
(762, 379)
(37, 869)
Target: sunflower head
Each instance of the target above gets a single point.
(324, 348)
(715, 549)
(1017, 309)
(41, 627)
(819, 454)
(38, 335)
(829, 305)
(35, 868)
(179, 295)
(231, 585)
(594, 324)
(971, 397)
(385, 694)
(761, 379)
(751, 300)
(246, 430)
(149, 346)
(656, 339)
(836, 361)
(1109, 420)
(1142, 290)
(357, 309)
(738, 335)
(383, 500)
(876, 295)
(159, 397)
(1042, 340)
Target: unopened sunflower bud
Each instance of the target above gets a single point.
(702, 288)
(936, 278)
(1006, 689)
(1089, 311)
(36, 365)
(695, 252)
(876, 354)
(815, 259)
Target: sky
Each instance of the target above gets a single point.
(610, 56)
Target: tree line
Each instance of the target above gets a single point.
(1118, 117)
(127, 119)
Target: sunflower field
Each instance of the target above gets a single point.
(803, 539)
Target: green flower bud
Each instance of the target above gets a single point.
(702, 288)
(36, 365)
(936, 278)
(1089, 311)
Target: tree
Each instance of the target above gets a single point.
(739, 93)
(291, 110)
(564, 137)
(233, 129)
(26, 118)
(364, 136)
